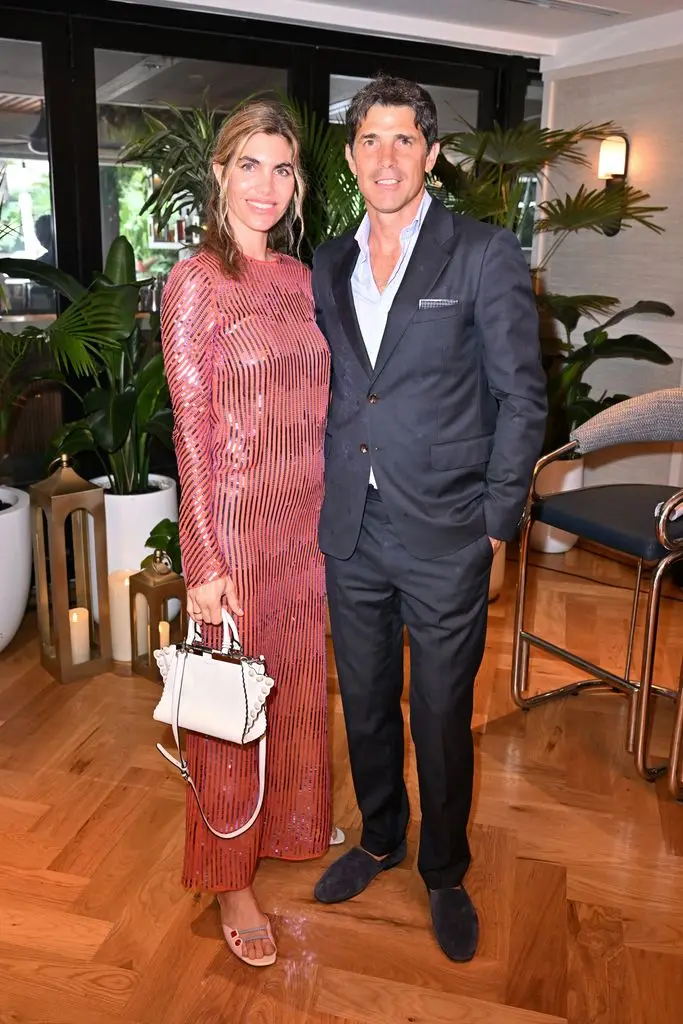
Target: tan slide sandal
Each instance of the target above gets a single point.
(236, 940)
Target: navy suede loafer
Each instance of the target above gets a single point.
(353, 872)
(455, 921)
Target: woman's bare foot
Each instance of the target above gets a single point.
(240, 911)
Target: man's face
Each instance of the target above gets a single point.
(390, 158)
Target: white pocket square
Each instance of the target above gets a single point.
(437, 303)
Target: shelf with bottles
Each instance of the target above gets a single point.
(179, 232)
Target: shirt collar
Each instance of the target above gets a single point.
(408, 232)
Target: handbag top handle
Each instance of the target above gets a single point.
(231, 637)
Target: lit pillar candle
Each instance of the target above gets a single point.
(120, 617)
(79, 632)
(164, 634)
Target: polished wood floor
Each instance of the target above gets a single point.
(577, 875)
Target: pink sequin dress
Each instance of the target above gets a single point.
(248, 372)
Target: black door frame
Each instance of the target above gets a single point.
(70, 34)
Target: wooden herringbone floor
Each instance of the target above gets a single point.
(578, 869)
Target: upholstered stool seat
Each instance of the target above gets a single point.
(633, 519)
(618, 516)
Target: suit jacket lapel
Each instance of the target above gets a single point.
(346, 310)
(427, 262)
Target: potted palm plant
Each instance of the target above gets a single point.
(127, 406)
(72, 344)
(493, 175)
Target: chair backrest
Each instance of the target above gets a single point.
(655, 416)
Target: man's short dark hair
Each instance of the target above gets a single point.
(385, 91)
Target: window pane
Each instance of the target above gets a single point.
(26, 224)
(456, 108)
(533, 101)
(130, 85)
(533, 104)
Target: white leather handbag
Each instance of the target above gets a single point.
(216, 693)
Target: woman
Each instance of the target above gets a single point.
(248, 374)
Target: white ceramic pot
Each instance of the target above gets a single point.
(17, 558)
(557, 477)
(497, 573)
(130, 520)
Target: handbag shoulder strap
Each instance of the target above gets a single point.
(184, 770)
(181, 764)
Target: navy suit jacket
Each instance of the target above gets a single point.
(452, 416)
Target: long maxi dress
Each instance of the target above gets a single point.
(248, 372)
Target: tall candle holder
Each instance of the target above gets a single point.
(72, 644)
(158, 585)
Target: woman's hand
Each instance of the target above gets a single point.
(204, 603)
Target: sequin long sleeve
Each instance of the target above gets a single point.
(188, 326)
(249, 374)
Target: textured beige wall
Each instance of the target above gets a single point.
(647, 103)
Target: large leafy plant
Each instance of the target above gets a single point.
(129, 406)
(570, 401)
(494, 174)
(95, 323)
(129, 403)
(178, 148)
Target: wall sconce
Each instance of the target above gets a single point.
(612, 169)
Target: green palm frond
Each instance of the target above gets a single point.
(582, 305)
(594, 209)
(178, 149)
(99, 321)
(477, 196)
(43, 273)
(526, 147)
(14, 350)
(569, 309)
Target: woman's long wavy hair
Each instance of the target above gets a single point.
(255, 116)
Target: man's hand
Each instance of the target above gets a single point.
(204, 603)
(495, 544)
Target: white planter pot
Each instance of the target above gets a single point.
(17, 558)
(497, 573)
(556, 477)
(130, 520)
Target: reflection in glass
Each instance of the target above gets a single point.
(30, 406)
(456, 108)
(130, 86)
(533, 105)
(26, 223)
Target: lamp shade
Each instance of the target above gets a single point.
(613, 157)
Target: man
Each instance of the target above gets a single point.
(436, 421)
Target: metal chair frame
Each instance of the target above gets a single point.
(641, 693)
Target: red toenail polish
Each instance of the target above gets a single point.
(233, 935)
(238, 942)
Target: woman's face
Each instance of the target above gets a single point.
(261, 185)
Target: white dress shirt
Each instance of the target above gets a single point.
(372, 305)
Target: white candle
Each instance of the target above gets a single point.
(79, 631)
(142, 618)
(120, 617)
(164, 634)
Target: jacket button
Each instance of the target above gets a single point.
(364, 449)
(373, 399)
